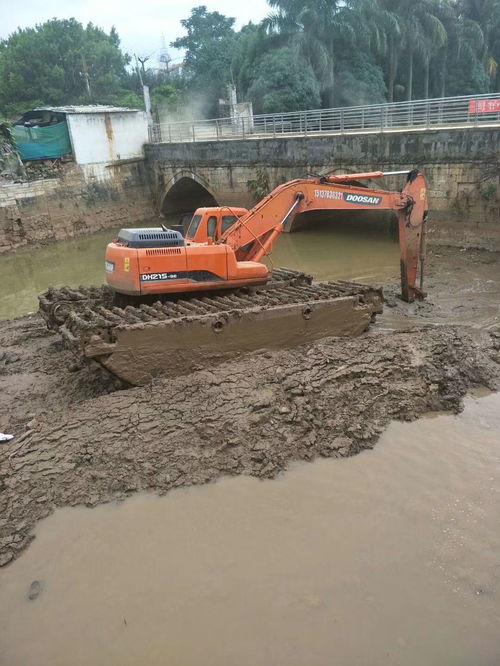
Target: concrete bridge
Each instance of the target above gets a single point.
(462, 167)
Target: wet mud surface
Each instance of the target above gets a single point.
(463, 287)
(78, 440)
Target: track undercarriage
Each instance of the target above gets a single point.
(137, 341)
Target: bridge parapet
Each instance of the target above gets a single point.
(465, 112)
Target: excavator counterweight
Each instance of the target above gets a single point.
(175, 303)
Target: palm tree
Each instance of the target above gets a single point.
(302, 23)
(383, 14)
(486, 14)
(423, 35)
(465, 41)
(323, 28)
(433, 39)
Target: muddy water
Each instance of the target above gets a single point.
(27, 272)
(321, 249)
(390, 557)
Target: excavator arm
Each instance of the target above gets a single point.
(253, 235)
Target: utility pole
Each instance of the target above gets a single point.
(142, 61)
(145, 90)
(86, 77)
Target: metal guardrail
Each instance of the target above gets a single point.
(446, 112)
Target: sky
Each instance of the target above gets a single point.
(140, 23)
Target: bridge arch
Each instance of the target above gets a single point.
(184, 193)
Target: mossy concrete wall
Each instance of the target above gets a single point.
(462, 168)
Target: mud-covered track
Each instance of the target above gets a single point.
(95, 315)
(174, 336)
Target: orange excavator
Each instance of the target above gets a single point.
(174, 304)
(224, 247)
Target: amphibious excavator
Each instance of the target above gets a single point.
(175, 303)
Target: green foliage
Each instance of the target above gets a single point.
(359, 81)
(422, 47)
(305, 54)
(47, 64)
(129, 99)
(466, 76)
(259, 187)
(248, 46)
(489, 192)
(283, 81)
(166, 96)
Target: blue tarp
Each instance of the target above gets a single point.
(39, 143)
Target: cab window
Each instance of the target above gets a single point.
(193, 226)
(227, 222)
(211, 226)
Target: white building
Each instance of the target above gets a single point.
(98, 134)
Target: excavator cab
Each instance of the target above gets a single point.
(209, 224)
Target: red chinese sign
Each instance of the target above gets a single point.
(484, 105)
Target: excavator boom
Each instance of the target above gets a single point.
(254, 233)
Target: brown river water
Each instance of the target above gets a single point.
(319, 250)
(390, 557)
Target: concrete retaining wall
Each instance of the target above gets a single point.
(81, 201)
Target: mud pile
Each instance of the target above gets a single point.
(251, 415)
(39, 376)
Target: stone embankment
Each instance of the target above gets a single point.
(81, 200)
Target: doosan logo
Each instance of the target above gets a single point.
(362, 199)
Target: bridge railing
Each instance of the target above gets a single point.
(458, 112)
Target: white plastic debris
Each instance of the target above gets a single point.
(5, 438)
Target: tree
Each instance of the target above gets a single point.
(425, 35)
(250, 44)
(60, 62)
(461, 71)
(209, 43)
(360, 81)
(313, 26)
(284, 81)
(419, 34)
(332, 35)
(486, 14)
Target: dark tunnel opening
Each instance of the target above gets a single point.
(183, 199)
(365, 222)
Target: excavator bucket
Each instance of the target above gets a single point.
(412, 232)
(174, 337)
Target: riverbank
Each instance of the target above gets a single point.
(79, 441)
(79, 201)
(249, 416)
